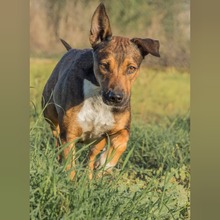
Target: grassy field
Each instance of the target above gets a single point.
(151, 180)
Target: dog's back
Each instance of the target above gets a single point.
(71, 60)
(67, 80)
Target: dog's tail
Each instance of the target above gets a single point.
(66, 45)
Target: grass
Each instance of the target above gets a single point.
(151, 180)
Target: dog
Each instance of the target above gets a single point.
(87, 96)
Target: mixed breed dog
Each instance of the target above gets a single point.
(87, 96)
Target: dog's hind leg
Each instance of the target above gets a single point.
(56, 133)
(51, 117)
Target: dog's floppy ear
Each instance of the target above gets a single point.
(147, 46)
(100, 27)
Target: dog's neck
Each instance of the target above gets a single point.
(90, 89)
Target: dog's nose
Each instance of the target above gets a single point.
(115, 97)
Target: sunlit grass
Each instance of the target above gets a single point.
(160, 93)
(151, 180)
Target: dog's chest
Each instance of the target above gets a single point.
(95, 117)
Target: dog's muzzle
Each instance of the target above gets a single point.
(114, 98)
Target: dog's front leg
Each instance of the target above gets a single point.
(110, 157)
(93, 153)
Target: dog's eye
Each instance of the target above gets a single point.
(131, 69)
(104, 66)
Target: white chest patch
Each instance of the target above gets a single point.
(95, 117)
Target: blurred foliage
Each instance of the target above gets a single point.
(168, 21)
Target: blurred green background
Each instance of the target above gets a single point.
(168, 21)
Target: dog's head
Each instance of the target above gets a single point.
(117, 60)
